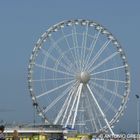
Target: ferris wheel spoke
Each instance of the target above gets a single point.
(104, 61)
(91, 114)
(53, 69)
(92, 46)
(99, 108)
(108, 70)
(100, 126)
(97, 116)
(60, 51)
(54, 102)
(57, 88)
(105, 100)
(68, 103)
(67, 68)
(66, 40)
(108, 90)
(103, 47)
(52, 79)
(47, 54)
(81, 60)
(75, 43)
(110, 80)
(54, 59)
(84, 42)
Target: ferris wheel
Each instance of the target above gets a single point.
(78, 76)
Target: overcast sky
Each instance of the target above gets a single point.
(23, 21)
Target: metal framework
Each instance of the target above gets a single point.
(79, 77)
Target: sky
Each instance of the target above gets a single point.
(23, 22)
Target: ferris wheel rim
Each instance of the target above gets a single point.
(56, 27)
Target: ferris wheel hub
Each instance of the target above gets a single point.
(84, 77)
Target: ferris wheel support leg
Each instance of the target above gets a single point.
(103, 115)
(77, 105)
(70, 112)
(62, 110)
(67, 106)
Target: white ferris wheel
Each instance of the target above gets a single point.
(79, 77)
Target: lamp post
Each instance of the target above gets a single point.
(34, 107)
(138, 116)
